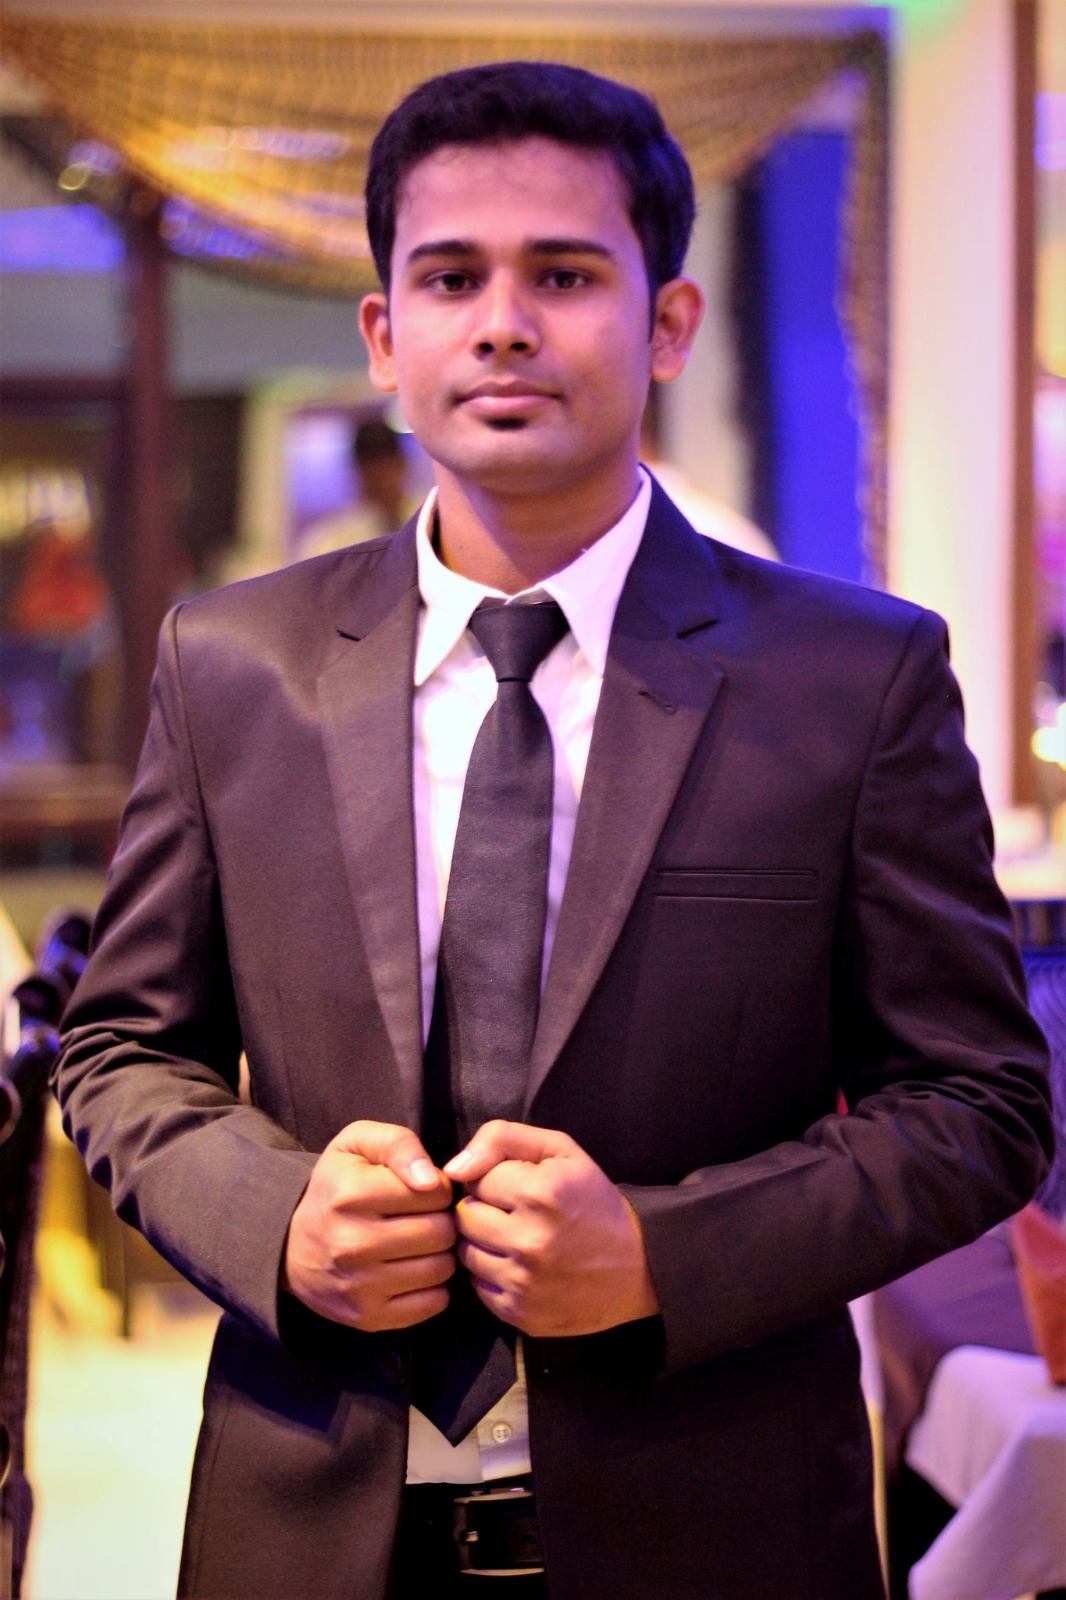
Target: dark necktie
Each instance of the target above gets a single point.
(488, 983)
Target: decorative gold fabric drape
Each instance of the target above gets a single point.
(265, 132)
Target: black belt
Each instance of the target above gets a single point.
(493, 1526)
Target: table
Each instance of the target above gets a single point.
(46, 812)
(992, 1441)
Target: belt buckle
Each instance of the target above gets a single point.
(496, 1534)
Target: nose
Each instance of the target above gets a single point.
(505, 322)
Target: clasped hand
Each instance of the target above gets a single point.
(552, 1246)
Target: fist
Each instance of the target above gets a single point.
(372, 1242)
(553, 1247)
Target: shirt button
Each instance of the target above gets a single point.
(501, 1432)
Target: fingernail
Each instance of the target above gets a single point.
(459, 1164)
(423, 1172)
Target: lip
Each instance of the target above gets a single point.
(504, 399)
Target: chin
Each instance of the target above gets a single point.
(509, 461)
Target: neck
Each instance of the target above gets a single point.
(514, 542)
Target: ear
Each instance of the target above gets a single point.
(374, 326)
(678, 314)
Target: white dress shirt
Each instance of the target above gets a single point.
(454, 688)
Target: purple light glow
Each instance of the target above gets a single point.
(1051, 132)
(72, 238)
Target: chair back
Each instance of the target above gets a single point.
(24, 1078)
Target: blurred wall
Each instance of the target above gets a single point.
(224, 335)
(952, 422)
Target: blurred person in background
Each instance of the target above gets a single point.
(708, 516)
(384, 504)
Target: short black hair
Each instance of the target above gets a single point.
(375, 441)
(511, 100)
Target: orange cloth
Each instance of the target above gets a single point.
(1039, 1244)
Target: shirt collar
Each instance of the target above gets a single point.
(587, 590)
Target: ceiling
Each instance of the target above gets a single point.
(726, 16)
(18, 95)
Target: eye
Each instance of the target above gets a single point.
(565, 278)
(450, 281)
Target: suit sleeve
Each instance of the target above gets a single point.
(147, 1074)
(940, 1063)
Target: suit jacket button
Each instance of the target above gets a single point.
(393, 1368)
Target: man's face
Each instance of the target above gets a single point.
(517, 324)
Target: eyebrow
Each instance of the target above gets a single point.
(537, 247)
(569, 247)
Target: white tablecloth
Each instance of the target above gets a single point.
(992, 1441)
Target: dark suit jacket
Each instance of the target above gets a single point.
(780, 888)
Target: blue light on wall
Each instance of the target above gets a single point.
(81, 238)
(68, 238)
(814, 432)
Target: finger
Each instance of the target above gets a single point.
(407, 1310)
(387, 1144)
(510, 1185)
(485, 1225)
(485, 1266)
(506, 1141)
(497, 1300)
(417, 1272)
(402, 1237)
(369, 1190)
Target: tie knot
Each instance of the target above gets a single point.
(517, 638)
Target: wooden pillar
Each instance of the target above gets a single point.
(147, 567)
(1026, 590)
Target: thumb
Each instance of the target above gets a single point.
(386, 1144)
(506, 1141)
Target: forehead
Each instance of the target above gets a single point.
(513, 191)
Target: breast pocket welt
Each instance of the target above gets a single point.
(726, 883)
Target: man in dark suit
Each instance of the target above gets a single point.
(764, 879)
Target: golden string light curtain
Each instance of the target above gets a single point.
(262, 135)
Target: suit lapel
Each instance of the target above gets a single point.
(658, 688)
(365, 704)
